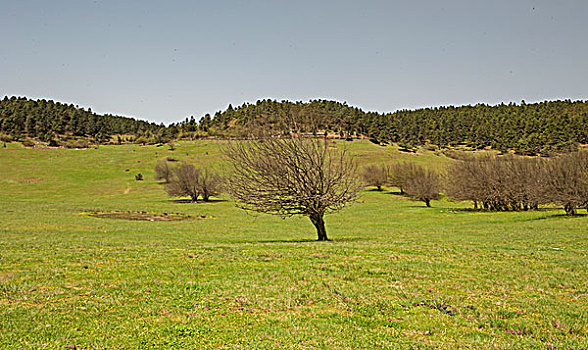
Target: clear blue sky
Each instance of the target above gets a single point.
(166, 60)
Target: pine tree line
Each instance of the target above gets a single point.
(550, 126)
(47, 120)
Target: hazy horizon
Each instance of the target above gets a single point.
(165, 62)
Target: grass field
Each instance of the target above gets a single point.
(395, 275)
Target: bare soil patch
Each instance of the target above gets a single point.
(141, 215)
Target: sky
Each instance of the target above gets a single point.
(164, 61)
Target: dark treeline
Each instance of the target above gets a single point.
(538, 128)
(525, 128)
(48, 120)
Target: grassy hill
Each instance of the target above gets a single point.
(396, 275)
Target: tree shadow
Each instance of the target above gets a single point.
(314, 240)
(287, 241)
(396, 193)
(184, 201)
(482, 210)
(578, 215)
(376, 190)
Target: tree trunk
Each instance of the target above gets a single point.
(379, 187)
(318, 222)
(428, 202)
(570, 210)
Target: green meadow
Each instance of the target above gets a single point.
(394, 275)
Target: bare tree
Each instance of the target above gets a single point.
(374, 175)
(400, 173)
(184, 182)
(163, 171)
(498, 183)
(567, 182)
(422, 184)
(292, 176)
(209, 184)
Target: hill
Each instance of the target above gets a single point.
(538, 128)
(544, 127)
(52, 122)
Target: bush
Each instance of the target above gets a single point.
(79, 143)
(5, 138)
(27, 143)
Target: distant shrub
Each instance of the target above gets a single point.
(79, 143)
(406, 148)
(457, 155)
(27, 143)
(5, 138)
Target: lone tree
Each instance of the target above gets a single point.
(374, 175)
(292, 176)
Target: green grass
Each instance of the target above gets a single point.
(237, 280)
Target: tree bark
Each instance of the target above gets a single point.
(318, 222)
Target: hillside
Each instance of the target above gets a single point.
(538, 128)
(52, 121)
(544, 127)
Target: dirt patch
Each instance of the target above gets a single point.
(141, 215)
(31, 180)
